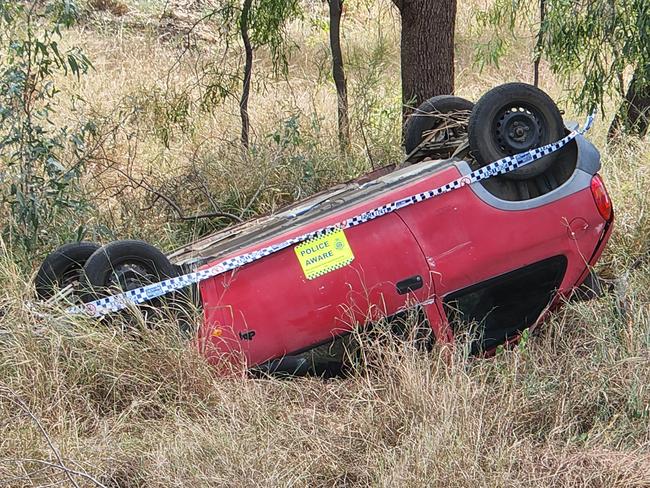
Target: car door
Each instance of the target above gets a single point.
(270, 308)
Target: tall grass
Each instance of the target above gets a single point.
(141, 408)
(97, 404)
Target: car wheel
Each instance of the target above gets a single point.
(447, 113)
(63, 267)
(513, 118)
(125, 265)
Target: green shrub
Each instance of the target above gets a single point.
(41, 158)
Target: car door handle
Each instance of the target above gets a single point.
(409, 284)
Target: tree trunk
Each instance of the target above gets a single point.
(335, 7)
(248, 69)
(538, 42)
(633, 116)
(427, 48)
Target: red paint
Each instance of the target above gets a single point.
(452, 241)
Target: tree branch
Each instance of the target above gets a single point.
(65, 469)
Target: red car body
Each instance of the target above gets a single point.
(503, 261)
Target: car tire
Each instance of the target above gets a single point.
(63, 267)
(430, 114)
(125, 265)
(513, 118)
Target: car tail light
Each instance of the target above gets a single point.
(601, 197)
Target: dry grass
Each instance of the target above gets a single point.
(569, 408)
(98, 405)
(114, 7)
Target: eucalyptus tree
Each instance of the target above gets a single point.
(427, 49)
(338, 73)
(591, 45)
(259, 23)
(40, 159)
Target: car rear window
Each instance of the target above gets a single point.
(497, 309)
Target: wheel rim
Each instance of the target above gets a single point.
(131, 274)
(71, 277)
(517, 129)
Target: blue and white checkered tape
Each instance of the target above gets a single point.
(120, 301)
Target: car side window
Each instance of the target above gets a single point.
(499, 308)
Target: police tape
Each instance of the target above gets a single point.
(137, 296)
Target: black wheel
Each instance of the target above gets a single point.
(63, 267)
(511, 119)
(447, 113)
(125, 265)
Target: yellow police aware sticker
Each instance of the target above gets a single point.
(324, 254)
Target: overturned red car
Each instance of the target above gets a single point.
(490, 257)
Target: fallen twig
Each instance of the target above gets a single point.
(13, 397)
